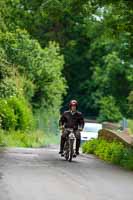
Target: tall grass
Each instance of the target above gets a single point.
(46, 132)
(51, 139)
(47, 121)
(21, 139)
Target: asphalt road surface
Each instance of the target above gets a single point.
(41, 174)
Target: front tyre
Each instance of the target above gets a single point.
(71, 150)
(66, 150)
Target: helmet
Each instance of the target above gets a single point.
(73, 103)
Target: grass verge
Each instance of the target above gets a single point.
(22, 139)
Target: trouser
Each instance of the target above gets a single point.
(64, 136)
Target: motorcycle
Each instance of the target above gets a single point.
(70, 145)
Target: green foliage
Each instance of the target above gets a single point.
(110, 83)
(32, 73)
(99, 57)
(4, 65)
(27, 139)
(127, 160)
(15, 114)
(90, 147)
(8, 88)
(109, 110)
(112, 152)
(41, 68)
(50, 85)
(28, 88)
(101, 150)
(22, 112)
(7, 115)
(22, 139)
(8, 85)
(93, 52)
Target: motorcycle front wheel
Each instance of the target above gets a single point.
(71, 150)
(66, 151)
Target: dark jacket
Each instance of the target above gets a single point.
(72, 120)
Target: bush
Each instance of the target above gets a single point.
(90, 147)
(112, 152)
(127, 160)
(100, 149)
(15, 114)
(7, 88)
(22, 112)
(7, 115)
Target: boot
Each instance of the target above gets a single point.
(62, 143)
(77, 146)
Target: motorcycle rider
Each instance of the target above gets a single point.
(71, 119)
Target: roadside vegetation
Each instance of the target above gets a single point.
(33, 139)
(54, 51)
(22, 139)
(112, 152)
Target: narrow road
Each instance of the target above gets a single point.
(40, 174)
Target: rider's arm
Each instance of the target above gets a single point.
(81, 121)
(62, 120)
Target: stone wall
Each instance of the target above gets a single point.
(111, 126)
(111, 135)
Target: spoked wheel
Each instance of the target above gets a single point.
(71, 150)
(66, 151)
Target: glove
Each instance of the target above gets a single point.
(61, 128)
(80, 129)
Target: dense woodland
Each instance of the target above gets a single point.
(52, 51)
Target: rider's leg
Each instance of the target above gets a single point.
(77, 146)
(62, 143)
(78, 140)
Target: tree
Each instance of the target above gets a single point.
(42, 67)
(95, 39)
(109, 111)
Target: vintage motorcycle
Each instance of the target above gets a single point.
(70, 145)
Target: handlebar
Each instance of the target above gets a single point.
(71, 129)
